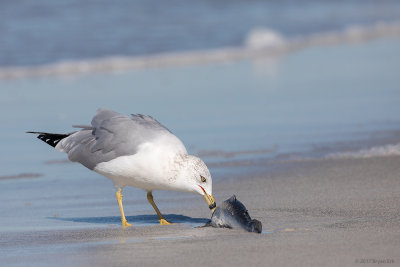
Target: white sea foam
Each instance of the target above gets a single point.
(262, 38)
(259, 43)
(378, 151)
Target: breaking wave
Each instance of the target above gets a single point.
(259, 43)
(378, 151)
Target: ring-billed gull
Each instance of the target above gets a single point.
(135, 151)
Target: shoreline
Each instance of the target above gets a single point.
(328, 212)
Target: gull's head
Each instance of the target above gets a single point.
(197, 178)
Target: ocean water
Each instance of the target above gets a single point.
(57, 31)
(316, 101)
(318, 79)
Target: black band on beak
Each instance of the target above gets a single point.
(212, 206)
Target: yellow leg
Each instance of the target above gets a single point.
(162, 220)
(121, 209)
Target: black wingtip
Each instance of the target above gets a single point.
(50, 138)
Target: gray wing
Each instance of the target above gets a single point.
(111, 135)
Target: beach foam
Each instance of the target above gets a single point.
(259, 43)
(262, 38)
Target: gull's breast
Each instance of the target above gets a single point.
(151, 168)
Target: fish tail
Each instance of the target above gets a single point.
(256, 226)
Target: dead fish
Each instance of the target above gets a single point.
(233, 214)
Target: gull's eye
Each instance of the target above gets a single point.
(203, 179)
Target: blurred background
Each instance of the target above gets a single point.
(242, 83)
(45, 31)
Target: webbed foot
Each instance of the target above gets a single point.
(125, 224)
(164, 222)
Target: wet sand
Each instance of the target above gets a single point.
(333, 212)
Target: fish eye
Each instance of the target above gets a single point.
(203, 179)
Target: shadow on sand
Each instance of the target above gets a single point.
(138, 219)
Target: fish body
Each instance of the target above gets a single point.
(233, 214)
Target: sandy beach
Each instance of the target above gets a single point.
(332, 212)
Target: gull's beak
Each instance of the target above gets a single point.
(210, 200)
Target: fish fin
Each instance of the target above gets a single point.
(224, 226)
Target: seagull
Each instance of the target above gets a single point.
(135, 151)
